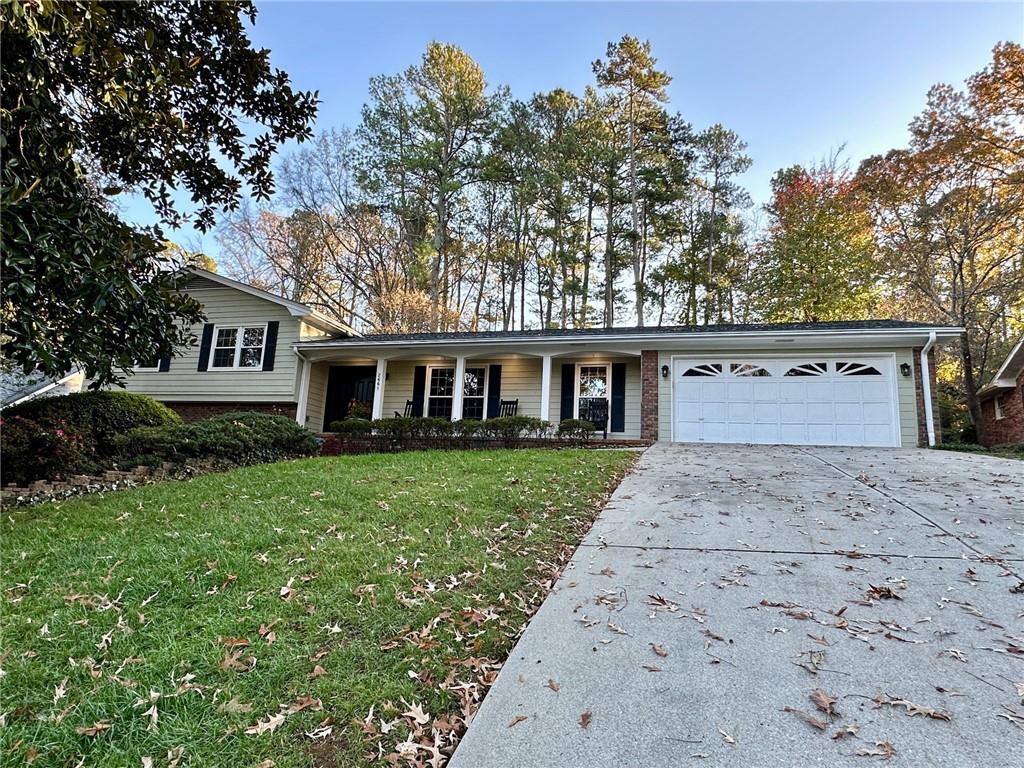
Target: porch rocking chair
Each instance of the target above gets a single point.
(508, 408)
(408, 411)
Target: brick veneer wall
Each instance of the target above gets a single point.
(193, 411)
(922, 421)
(1008, 430)
(648, 395)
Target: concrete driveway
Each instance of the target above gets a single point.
(725, 584)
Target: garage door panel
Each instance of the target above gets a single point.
(827, 401)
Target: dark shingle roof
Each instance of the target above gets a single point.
(569, 333)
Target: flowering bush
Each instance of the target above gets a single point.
(359, 409)
(33, 451)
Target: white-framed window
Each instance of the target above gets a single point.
(999, 407)
(238, 347)
(145, 366)
(593, 385)
(441, 390)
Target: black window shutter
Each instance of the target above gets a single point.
(618, 397)
(419, 384)
(270, 346)
(165, 364)
(568, 382)
(204, 348)
(493, 390)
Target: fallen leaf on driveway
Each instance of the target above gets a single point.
(517, 720)
(553, 686)
(1014, 715)
(585, 719)
(659, 649)
(846, 730)
(882, 749)
(912, 708)
(824, 701)
(726, 737)
(812, 721)
(882, 593)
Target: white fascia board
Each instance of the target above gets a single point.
(631, 344)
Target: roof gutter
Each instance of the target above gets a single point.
(926, 388)
(633, 337)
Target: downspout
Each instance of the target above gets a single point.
(926, 389)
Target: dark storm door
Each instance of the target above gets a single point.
(346, 383)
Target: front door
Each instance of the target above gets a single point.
(593, 394)
(348, 385)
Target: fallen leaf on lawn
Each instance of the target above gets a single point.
(174, 757)
(320, 733)
(234, 642)
(659, 649)
(824, 701)
(812, 721)
(153, 717)
(318, 671)
(912, 708)
(60, 691)
(554, 686)
(417, 714)
(517, 720)
(287, 593)
(94, 729)
(266, 726)
(585, 719)
(882, 749)
(235, 707)
(237, 662)
(304, 702)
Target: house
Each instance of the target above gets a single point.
(1002, 401)
(838, 383)
(16, 387)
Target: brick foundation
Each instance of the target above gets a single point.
(194, 411)
(922, 421)
(1008, 430)
(649, 395)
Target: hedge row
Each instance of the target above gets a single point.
(506, 429)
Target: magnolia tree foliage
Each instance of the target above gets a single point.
(105, 97)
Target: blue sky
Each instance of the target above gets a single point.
(795, 80)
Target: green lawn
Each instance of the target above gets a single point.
(288, 599)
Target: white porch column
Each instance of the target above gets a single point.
(545, 388)
(459, 388)
(378, 388)
(300, 410)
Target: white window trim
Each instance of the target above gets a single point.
(998, 404)
(487, 385)
(240, 327)
(576, 388)
(147, 368)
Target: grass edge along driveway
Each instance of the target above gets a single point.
(328, 611)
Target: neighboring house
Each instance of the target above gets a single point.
(16, 387)
(840, 383)
(1002, 401)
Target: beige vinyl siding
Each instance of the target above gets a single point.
(317, 396)
(632, 423)
(906, 394)
(228, 307)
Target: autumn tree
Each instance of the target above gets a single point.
(949, 212)
(103, 97)
(817, 260)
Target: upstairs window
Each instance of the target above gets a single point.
(240, 347)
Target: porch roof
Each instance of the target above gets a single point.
(630, 340)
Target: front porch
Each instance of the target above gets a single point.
(552, 387)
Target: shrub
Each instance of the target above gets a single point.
(580, 430)
(360, 409)
(512, 428)
(33, 451)
(56, 437)
(236, 438)
(353, 427)
(97, 416)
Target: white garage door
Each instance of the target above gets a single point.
(790, 401)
